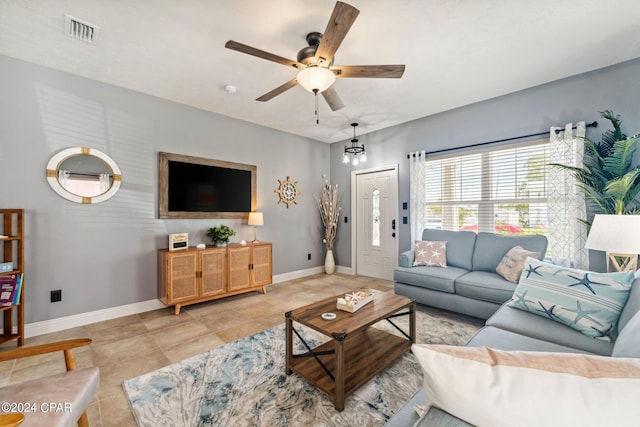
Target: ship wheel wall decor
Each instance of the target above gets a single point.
(288, 191)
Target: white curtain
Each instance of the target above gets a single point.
(105, 182)
(417, 194)
(565, 202)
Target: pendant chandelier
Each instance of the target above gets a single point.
(357, 151)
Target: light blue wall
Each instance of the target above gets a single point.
(529, 111)
(104, 255)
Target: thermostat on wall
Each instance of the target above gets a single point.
(178, 241)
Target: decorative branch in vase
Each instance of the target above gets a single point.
(329, 206)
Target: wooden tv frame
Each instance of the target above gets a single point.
(163, 187)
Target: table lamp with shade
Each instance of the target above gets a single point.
(619, 237)
(256, 220)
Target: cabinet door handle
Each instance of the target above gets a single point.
(393, 224)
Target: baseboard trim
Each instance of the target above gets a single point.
(82, 319)
(279, 278)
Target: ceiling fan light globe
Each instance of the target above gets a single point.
(316, 78)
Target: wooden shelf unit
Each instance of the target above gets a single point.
(13, 251)
(190, 276)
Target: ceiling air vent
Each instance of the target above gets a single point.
(80, 30)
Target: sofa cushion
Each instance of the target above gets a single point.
(485, 286)
(407, 415)
(460, 245)
(543, 328)
(500, 339)
(529, 388)
(437, 278)
(490, 248)
(512, 263)
(440, 418)
(587, 301)
(431, 253)
(628, 342)
(632, 306)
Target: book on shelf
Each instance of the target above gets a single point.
(16, 298)
(10, 288)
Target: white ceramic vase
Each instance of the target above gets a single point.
(329, 263)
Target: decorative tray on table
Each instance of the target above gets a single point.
(355, 300)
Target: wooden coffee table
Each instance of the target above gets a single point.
(356, 352)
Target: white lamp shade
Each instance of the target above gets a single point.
(319, 78)
(615, 233)
(255, 218)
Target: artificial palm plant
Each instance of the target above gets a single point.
(607, 178)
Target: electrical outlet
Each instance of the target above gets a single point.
(309, 257)
(56, 295)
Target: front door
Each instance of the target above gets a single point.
(376, 223)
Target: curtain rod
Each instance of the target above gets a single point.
(589, 125)
(89, 175)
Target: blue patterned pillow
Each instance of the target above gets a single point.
(587, 301)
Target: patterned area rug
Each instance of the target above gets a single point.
(244, 383)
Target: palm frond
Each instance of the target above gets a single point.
(618, 189)
(609, 137)
(620, 160)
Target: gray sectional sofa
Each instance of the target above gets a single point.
(513, 329)
(470, 284)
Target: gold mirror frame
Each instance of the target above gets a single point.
(58, 158)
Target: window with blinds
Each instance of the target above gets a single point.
(503, 190)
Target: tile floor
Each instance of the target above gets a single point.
(129, 346)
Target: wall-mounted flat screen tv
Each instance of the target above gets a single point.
(195, 187)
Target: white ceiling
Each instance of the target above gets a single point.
(456, 52)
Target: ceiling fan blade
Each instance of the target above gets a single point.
(380, 71)
(277, 91)
(342, 18)
(331, 96)
(233, 45)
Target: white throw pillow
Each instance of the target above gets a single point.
(512, 263)
(487, 387)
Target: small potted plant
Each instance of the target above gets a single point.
(220, 235)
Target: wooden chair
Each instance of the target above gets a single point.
(56, 400)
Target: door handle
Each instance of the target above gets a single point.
(393, 234)
(393, 225)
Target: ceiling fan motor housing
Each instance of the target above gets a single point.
(307, 54)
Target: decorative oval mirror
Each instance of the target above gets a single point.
(83, 175)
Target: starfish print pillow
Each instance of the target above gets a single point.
(587, 301)
(431, 253)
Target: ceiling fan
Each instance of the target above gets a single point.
(316, 72)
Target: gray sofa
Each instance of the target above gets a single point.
(513, 329)
(470, 284)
